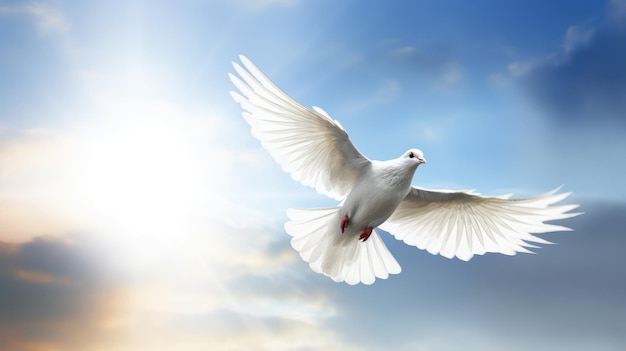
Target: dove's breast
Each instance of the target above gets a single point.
(376, 195)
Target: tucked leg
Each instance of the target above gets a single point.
(344, 223)
(366, 234)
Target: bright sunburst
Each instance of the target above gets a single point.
(143, 182)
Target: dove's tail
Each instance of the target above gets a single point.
(341, 256)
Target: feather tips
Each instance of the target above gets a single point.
(315, 235)
(307, 143)
(464, 224)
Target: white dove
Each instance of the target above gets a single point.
(342, 242)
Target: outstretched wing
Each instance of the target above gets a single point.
(307, 143)
(464, 224)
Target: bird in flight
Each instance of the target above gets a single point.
(342, 242)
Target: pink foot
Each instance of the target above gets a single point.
(366, 234)
(344, 223)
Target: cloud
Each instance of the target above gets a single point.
(50, 290)
(130, 230)
(222, 259)
(618, 8)
(430, 133)
(277, 2)
(48, 19)
(134, 159)
(387, 92)
(576, 37)
(226, 330)
(263, 5)
(32, 179)
(567, 296)
(584, 82)
(451, 74)
(39, 278)
(434, 61)
(235, 289)
(133, 224)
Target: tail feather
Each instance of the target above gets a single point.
(342, 257)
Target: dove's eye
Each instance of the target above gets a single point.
(411, 155)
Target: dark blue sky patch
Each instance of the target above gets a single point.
(586, 85)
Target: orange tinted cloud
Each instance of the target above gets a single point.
(40, 278)
(55, 296)
(33, 185)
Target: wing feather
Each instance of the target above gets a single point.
(306, 142)
(463, 224)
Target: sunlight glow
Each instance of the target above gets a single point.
(144, 183)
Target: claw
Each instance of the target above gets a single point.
(344, 223)
(366, 234)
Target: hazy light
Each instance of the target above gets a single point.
(143, 183)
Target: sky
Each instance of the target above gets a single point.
(138, 212)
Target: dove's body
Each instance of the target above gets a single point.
(378, 192)
(342, 242)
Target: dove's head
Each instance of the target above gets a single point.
(414, 155)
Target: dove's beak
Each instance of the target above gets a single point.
(421, 159)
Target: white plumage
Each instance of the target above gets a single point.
(342, 242)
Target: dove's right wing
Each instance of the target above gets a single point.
(307, 143)
(464, 224)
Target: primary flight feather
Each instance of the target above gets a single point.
(342, 242)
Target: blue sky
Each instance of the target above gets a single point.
(137, 211)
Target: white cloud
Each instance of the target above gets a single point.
(518, 69)
(451, 74)
(404, 51)
(618, 8)
(262, 5)
(582, 82)
(575, 37)
(229, 331)
(388, 92)
(222, 258)
(32, 179)
(431, 134)
(499, 80)
(447, 71)
(276, 2)
(228, 289)
(48, 19)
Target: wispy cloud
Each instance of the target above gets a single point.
(451, 74)
(404, 51)
(39, 278)
(263, 5)
(32, 179)
(584, 81)
(576, 37)
(618, 8)
(287, 308)
(47, 18)
(387, 92)
(434, 61)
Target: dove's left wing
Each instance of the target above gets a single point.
(307, 143)
(463, 224)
